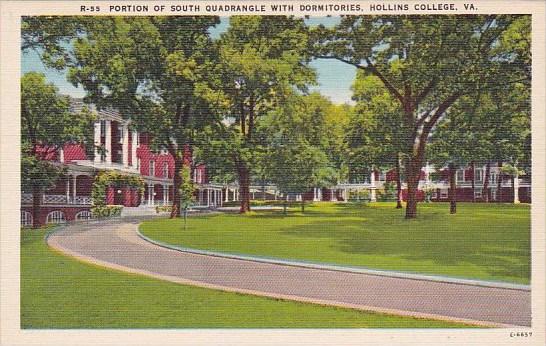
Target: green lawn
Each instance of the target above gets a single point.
(482, 241)
(60, 292)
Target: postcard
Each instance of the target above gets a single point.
(273, 172)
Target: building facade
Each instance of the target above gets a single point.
(120, 148)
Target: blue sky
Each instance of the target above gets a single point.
(334, 77)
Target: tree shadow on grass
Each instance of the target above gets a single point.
(498, 253)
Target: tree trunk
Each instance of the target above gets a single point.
(36, 202)
(244, 184)
(177, 183)
(398, 186)
(413, 171)
(485, 192)
(473, 179)
(452, 189)
(499, 182)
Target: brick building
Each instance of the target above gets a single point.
(126, 151)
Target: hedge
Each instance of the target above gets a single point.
(99, 211)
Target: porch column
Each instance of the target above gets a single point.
(61, 155)
(150, 194)
(373, 197)
(226, 197)
(108, 141)
(516, 189)
(125, 146)
(332, 195)
(97, 158)
(67, 189)
(74, 178)
(134, 148)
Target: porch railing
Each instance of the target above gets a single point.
(26, 198)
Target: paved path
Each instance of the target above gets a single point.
(115, 244)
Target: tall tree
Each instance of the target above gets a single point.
(46, 125)
(263, 59)
(375, 133)
(157, 71)
(427, 63)
(299, 139)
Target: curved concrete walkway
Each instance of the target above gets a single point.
(115, 244)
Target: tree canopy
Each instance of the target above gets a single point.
(46, 125)
(157, 71)
(427, 63)
(264, 58)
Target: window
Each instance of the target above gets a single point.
(26, 218)
(460, 176)
(55, 217)
(152, 168)
(103, 128)
(493, 177)
(382, 176)
(165, 170)
(83, 215)
(120, 132)
(434, 194)
(478, 192)
(478, 174)
(443, 193)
